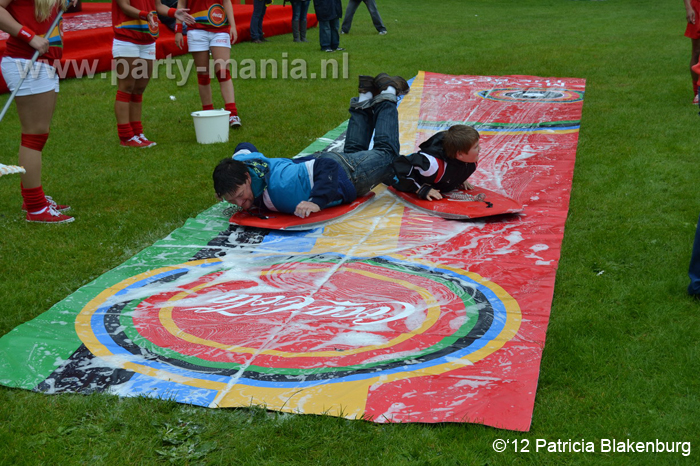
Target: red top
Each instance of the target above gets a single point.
(134, 30)
(23, 12)
(209, 15)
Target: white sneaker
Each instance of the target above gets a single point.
(234, 121)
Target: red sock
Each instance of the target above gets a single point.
(208, 107)
(695, 88)
(35, 199)
(125, 131)
(231, 108)
(137, 127)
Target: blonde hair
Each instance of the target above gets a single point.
(44, 8)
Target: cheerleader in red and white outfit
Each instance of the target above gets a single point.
(135, 25)
(214, 31)
(27, 22)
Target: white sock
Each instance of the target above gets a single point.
(389, 90)
(364, 96)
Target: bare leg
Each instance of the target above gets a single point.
(35, 113)
(694, 59)
(221, 56)
(142, 74)
(124, 68)
(201, 63)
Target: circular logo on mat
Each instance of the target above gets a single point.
(300, 319)
(217, 15)
(533, 94)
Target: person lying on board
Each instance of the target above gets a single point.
(308, 184)
(444, 163)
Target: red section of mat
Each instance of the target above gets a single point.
(88, 36)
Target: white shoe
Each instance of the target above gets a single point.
(234, 121)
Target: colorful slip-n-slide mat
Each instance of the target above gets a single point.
(390, 315)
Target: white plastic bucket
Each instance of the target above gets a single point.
(211, 126)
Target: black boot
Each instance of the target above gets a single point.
(302, 30)
(295, 30)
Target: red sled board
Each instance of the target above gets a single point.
(459, 204)
(281, 221)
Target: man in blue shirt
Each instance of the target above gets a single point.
(308, 184)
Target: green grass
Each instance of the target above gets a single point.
(622, 353)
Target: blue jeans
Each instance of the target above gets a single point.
(256, 21)
(366, 167)
(328, 34)
(373, 12)
(694, 270)
(299, 10)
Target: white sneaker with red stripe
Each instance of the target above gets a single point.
(48, 215)
(695, 100)
(52, 203)
(234, 121)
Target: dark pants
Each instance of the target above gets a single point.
(373, 12)
(299, 10)
(367, 167)
(328, 34)
(694, 270)
(256, 21)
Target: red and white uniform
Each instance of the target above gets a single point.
(23, 12)
(134, 30)
(209, 15)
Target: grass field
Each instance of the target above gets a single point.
(622, 353)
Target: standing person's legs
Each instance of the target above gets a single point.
(201, 63)
(136, 105)
(302, 20)
(349, 13)
(296, 15)
(324, 35)
(694, 55)
(260, 22)
(221, 68)
(125, 85)
(335, 35)
(694, 269)
(126, 81)
(35, 114)
(221, 56)
(374, 13)
(256, 20)
(296, 11)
